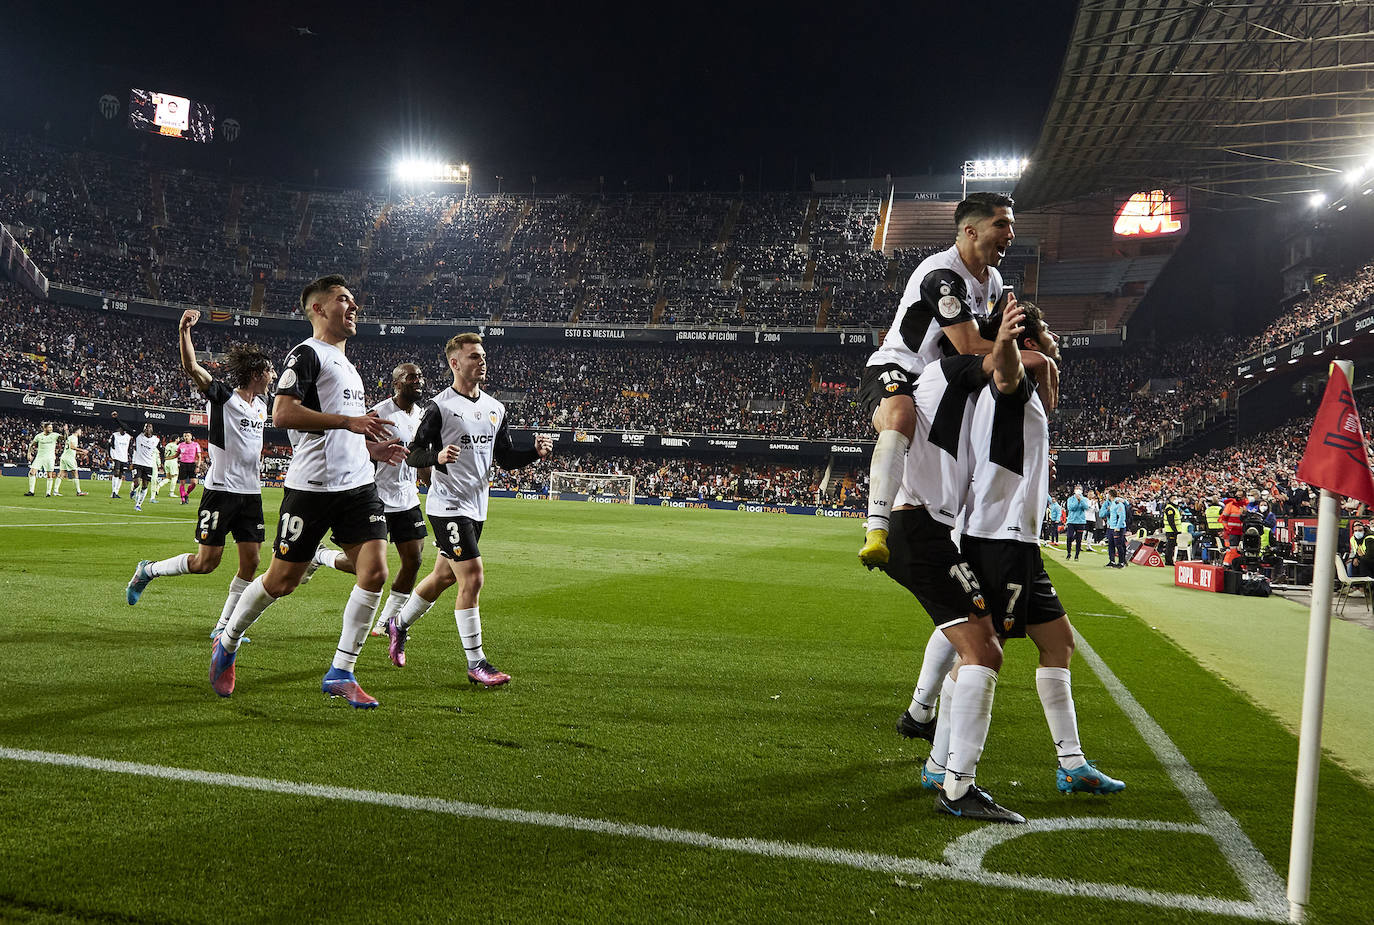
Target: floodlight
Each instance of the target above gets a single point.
(1318, 200)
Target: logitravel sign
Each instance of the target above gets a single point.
(1152, 214)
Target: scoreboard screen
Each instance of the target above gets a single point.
(171, 115)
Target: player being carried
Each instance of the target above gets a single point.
(43, 458)
(329, 485)
(938, 315)
(396, 485)
(232, 500)
(71, 450)
(463, 430)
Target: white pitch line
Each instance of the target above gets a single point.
(103, 523)
(1266, 888)
(857, 860)
(1117, 616)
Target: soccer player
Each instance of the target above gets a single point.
(43, 458)
(329, 485)
(68, 463)
(119, 458)
(938, 315)
(463, 430)
(396, 485)
(232, 500)
(1009, 437)
(188, 454)
(168, 473)
(145, 465)
(925, 560)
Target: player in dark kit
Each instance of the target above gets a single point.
(329, 485)
(232, 500)
(462, 432)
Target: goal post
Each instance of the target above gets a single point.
(602, 486)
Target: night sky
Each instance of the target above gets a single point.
(561, 91)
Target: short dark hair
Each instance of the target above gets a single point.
(1034, 320)
(244, 361)
(980, 206)
(323, 284)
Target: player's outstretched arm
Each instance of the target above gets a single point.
(194, 371)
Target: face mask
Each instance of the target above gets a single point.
(1078, 492)
(1264, 508)
(1359, 534)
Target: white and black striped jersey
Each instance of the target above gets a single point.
(235, 440)
(324, 380)
(478, 427)
(940, 293)
(1011, 469)
(119, 446)
(939, 463)
(396, 484)
(145, 451)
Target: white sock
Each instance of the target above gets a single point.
(33, 480)
(76, 483)
(252, 602)
(393, 606)
(357, 620)
(326, 557)
(970, 717)
(177, 565)
(139, 495)
(1056, 696)
(51, 480)
(885, 476)
(470, 628)
(236, 589)
(938, 660)
(939, 748)
(114, 485)
(412, 610)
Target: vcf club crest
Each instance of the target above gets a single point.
(230, 128)
(108, 105)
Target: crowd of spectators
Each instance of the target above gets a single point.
(1324, 306)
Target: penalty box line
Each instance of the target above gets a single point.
(857, 860)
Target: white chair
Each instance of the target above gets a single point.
(1349, 585)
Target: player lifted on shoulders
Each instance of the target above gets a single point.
(1008, 433)
(939, 314)
(232, 500)
(463, 430)
(925, 560)
(329, 485)
(396, 485)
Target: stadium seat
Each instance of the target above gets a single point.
(1349, 585)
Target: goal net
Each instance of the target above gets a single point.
(600, 485)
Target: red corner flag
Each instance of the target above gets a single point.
(1335, 458)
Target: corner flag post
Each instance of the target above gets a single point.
(1335, 458)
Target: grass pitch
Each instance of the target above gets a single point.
(700, 727)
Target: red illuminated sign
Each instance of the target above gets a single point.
(1194, 575)
(1153, 214)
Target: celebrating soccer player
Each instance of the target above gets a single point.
(232, 500)
(145, 465)
(396, 485)
(43, 458)
(462, 431)
(119, 458)
(329, 485)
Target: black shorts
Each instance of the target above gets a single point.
(404, 526)
(1019, 592)
(457, 537)
(881, 382)
(117, 468)
(142, 472)
(925, 561)
(355, 516)
(225, 512)
(186, 472)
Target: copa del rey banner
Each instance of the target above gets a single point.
(1335, 458)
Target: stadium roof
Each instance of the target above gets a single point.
(1244, 102)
